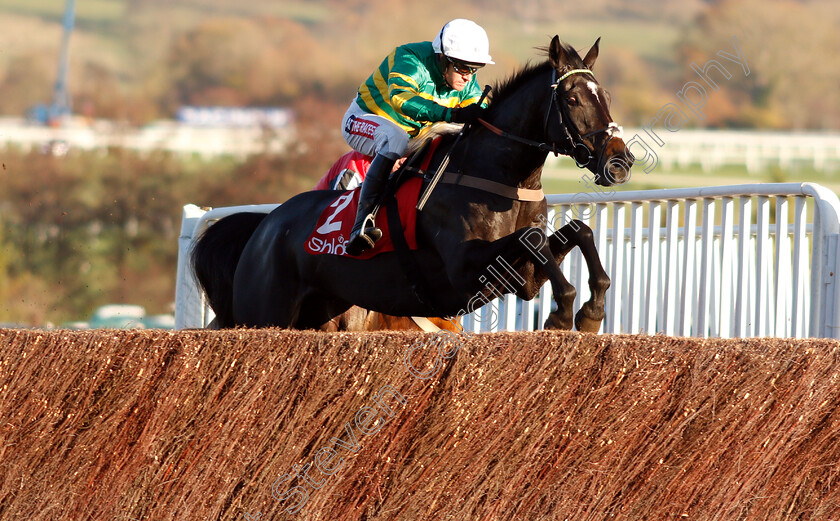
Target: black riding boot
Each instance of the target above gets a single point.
(365, 233)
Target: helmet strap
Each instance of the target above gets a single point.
(443, 63)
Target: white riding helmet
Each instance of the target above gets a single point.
(463, 40)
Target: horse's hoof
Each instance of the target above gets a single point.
(554, 321)
(586, 325)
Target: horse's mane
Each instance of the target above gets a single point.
(504, 88)
(437, 129)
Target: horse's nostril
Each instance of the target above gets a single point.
(619, 172)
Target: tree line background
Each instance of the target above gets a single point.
(90, 228)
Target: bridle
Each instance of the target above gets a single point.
(571, 146)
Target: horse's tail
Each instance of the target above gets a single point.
(215, 256)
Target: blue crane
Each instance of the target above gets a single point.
(60, 106)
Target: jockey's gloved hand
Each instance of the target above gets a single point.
(467, 114)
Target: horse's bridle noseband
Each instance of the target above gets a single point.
(571, 144)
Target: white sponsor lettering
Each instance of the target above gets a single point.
(339, 204)
(334, 246)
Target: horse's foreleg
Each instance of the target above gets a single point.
(577, 233)
(472, 257)
(564, 292)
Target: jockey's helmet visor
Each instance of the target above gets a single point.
(462, 67)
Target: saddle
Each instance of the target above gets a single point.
(332, 230)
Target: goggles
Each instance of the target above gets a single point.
(464, 67)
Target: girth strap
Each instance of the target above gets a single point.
(511, 192)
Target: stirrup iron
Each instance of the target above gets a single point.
(370, 232)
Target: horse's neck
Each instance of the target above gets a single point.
(507, 161)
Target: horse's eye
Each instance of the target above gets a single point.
(573, 100)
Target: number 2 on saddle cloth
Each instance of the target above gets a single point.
(335, 223)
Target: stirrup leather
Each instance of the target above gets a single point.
(365, 233)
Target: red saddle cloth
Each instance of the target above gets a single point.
(353, 164)
(336, 222)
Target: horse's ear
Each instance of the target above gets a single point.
(592, 55)
(556, 52)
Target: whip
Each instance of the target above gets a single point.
(445, 162)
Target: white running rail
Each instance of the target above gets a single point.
(760, 260)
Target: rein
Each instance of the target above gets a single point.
(513, 137)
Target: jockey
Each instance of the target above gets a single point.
(416, 85)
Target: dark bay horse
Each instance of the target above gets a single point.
(464, 233)
(227, 243)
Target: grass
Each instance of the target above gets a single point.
(305, 12)
(96, 11)
(653, 41)
(101, 13)
(563, 177)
